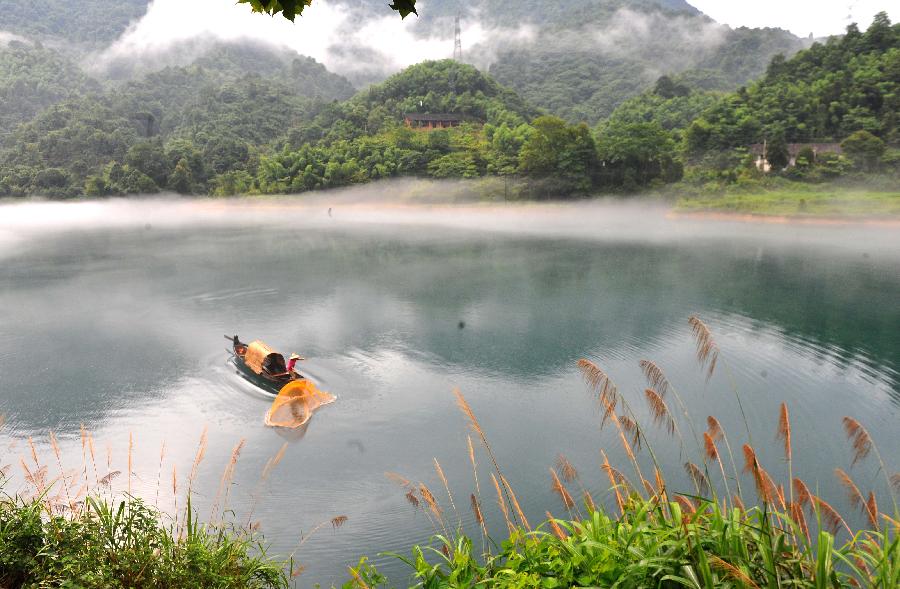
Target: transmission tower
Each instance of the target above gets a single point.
(457, 41)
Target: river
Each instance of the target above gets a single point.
(112, 315)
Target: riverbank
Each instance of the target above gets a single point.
(802, 202)
(99, 542)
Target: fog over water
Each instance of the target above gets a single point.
(112, 315)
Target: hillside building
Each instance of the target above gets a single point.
(760, 152)
(427, 122)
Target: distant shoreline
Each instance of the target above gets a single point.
(762, 218)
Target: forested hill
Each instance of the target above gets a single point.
(91, 23)
(826, 93)
(579, 59)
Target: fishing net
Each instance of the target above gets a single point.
(295, 404)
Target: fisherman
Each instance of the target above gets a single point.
(240, 348)
(292, 362)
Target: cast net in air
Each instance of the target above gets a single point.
(296, 403)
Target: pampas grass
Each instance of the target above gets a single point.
(707, 349)
(862, 445)
(857, 500)
(561, 490)
(660, 412)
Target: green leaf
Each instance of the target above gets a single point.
(404, 7)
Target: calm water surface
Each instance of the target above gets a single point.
(112, 316)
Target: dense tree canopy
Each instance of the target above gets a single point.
(824, 93)
(245, 120)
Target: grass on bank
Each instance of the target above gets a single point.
(798, 201)
(111, 544)
(650, 535)
(783, 197)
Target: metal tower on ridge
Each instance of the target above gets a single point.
(457, 41)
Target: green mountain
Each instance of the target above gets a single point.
(92, 23)
(33, 78)
(825, 93)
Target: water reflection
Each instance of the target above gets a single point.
(120, 328)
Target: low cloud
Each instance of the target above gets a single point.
(174, 31)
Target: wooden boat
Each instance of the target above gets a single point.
(262, 365)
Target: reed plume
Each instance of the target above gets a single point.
(717, 433)
(784, 434)
(707, 349)
(732, 572)
(338, 521)
(660, 411)
(412, 499)
(108, 479)
(630, 427)
(557, 531)
(831, 517)
(90, 442)
(660, 484)
(659, 383)
(34, 455)
(430, 501)
(804, 495)
(685, 504)
(515, 503)
(872, 509)
(796, 512)
(476, 510)
(784, 430)
(476, 427)
(709, 446)
(175, 493)
(502, 503)
(440, 473)
(765, 488)
(474, 466)
(895, 481)
(589, 501)
(698, 477)
(224, 489)
(65, 483)
(597, 380)
(610, 472)
(859, 436)
(561, 490)
(715, 428)
(862, 446)
(198, 458)
(399, 479)
(737, 502)
(130, 449)
(162, 454)
(655, 376)
(566, 469)
(857, 499)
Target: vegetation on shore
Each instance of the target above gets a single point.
(799, 201)
(649, 533)
(108, 543)
(211, 128)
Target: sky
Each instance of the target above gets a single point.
(801, 17)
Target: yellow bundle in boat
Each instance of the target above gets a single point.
(295, 404)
